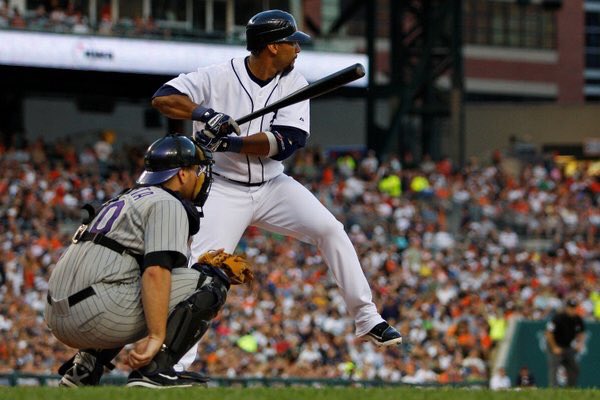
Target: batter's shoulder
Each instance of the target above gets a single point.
(294, 78)
(221, 68)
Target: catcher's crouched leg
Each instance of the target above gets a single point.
(191, 318)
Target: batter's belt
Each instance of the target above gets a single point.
(247, 184)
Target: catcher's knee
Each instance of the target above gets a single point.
(191, 317)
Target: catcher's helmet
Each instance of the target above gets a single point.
(272, 26)
(168, 155)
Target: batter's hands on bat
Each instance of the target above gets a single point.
(144, 351)
(207, 139)
(219, 124)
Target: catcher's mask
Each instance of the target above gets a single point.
(166, 156)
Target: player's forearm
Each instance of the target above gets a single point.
(174, 106)
(156, 288)
(257, 145)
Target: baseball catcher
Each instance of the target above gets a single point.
(124, 278)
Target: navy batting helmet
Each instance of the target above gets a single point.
(166, 156)
(272, 26)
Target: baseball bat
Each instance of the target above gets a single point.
(310, 91)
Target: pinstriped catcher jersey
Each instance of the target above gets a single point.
(144, 220)
(229, 88)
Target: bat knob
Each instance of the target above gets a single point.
(360, 69)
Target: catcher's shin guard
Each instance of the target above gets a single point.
(191, 318)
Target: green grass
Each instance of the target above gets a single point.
(122, 393)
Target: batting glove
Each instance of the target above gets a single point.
(206, 139)
(217, 144)
(219, 124)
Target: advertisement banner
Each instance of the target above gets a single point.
(144, 56)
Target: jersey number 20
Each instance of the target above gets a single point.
(107, 217)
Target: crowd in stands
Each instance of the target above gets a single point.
(67, 16)
(451, 255)
(54, 16)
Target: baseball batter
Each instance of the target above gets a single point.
(126, 271)
(250, 187)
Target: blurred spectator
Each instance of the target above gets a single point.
(525, 378)
(103, 148)
(500, 380)
(17, 20)
(105, 25)
(390, 184)
(4, 17)
(79, 23)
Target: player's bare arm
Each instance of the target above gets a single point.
(175, 106)
(257, 144)
(156, 286)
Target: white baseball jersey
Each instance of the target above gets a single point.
(230, 89)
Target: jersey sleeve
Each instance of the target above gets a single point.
(166, 234)
(296, 115)
(194, 85)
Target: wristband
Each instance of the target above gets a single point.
(232, 144)
(202, 114)
(273, 148)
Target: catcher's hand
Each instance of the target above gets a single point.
(236, 267)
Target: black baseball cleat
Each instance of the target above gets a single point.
(78, 375)
(384, 335)
(81, 370)
(164, 379)
(194, 376)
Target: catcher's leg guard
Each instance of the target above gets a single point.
(191, 318)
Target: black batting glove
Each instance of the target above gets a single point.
(219, 124)
(206, 139)
(218, 144)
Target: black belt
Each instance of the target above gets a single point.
(75, 298)
(107, 242)
(247, 184)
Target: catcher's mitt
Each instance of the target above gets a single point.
(236, 267)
